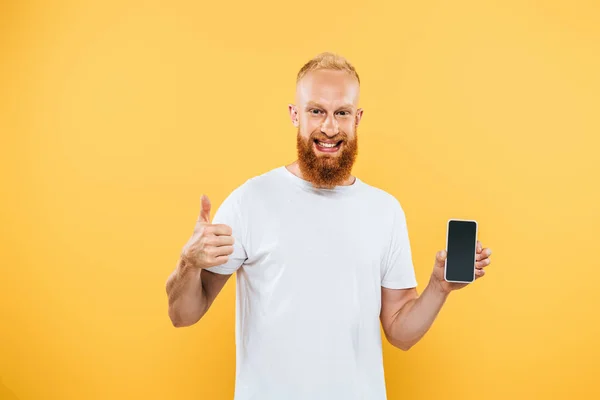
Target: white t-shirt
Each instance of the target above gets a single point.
(310, 266)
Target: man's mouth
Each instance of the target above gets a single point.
(328, 146)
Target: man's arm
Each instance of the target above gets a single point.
(406, 316)
(191, 291)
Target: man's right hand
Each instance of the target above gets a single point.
(210, 245)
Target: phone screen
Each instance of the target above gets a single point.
(460, 259)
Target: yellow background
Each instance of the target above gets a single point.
(116, 116)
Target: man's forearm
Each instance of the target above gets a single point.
(187, 300)
(415, 318)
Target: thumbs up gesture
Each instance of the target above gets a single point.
(210, 245)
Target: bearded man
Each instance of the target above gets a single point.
(322, 258)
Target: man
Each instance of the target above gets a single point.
(321, 258)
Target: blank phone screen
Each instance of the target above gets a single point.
(460, 260)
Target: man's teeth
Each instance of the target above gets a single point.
(327, 144)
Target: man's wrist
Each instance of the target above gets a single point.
(185, 267)
(438, 288)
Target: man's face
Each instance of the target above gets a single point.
(326, 115)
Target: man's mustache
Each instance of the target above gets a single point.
(340, 137)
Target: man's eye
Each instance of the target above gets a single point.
(315, 111)
(344, 113)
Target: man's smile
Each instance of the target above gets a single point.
(328, 146)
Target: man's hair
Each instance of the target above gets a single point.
(327, 60)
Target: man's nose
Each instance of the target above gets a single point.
(330, 127)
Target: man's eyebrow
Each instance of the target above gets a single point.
(315, 104)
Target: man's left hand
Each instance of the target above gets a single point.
(437, 277)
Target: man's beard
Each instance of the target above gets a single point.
(326, 170)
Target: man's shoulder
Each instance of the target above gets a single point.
(259, 183)
(381, 197)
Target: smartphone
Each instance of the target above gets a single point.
(461, 251)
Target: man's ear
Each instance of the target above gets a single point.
(359, 114)
(294, 114)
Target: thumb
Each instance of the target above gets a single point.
(440, 258)
(205, 210)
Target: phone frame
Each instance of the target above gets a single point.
(474, 258)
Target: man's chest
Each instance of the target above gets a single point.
(329, 242)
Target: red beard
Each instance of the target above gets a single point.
(325, 170)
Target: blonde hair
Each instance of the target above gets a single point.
(327, 60)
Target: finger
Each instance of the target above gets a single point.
(220, 260)
(217, 241)
(440, 259)
(479, 246)
(223, 251)
(485, 253)
(204, 210)
(482, 263)
(219, 229)
(479, 273)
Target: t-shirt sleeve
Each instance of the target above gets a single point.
(398, 270)
(229, 213)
